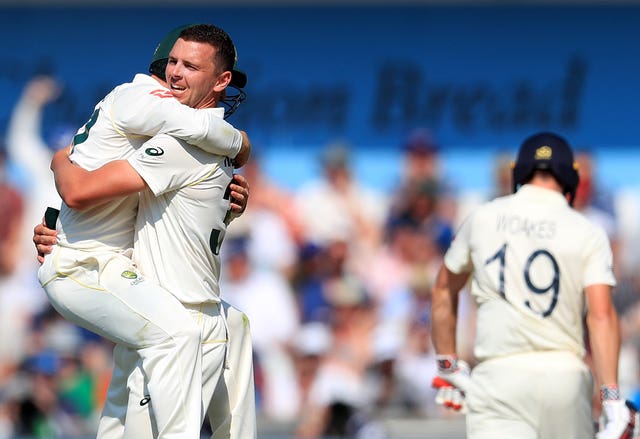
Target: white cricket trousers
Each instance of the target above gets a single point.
(105, 293)
(541, 395)
(228, 382)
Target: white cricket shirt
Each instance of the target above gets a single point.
(126, 118)
(532, 255)
(181, 217)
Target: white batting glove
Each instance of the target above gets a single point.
(619, 420)
(452, 382)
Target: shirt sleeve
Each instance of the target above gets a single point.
(165, 163)
(148, 111)
(598, 267)
(458, 257)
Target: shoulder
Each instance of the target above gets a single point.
(171, 149)
(144, 85)
(165, 147)
(167, 140)
(592, 228)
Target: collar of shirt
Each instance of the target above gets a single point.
(537, 193)
(143, 78)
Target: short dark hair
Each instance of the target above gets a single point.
(207, 33)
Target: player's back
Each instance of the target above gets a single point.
(110, 225)
(182, 217)
(533, 256)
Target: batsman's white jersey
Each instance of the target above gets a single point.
(90, 278)
(532, 255)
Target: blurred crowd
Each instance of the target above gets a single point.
(334, 276)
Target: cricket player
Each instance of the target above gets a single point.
(90, 278)
(183, 212)
(538, 268)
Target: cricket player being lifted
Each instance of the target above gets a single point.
(539, 268)
(90, 277)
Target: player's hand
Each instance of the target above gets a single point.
(42, 90)
(239, 193)
(619, 419)
(452, 382)
(44, 239)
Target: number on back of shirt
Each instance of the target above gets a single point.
(82, 136)
(538, 287)
(216, 237)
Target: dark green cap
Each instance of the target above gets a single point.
(238, 77)
(161, 54)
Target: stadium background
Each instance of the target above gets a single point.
(479, 75)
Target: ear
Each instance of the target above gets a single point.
(222, 81)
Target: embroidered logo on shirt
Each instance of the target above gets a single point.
(154, 151)
(128, 274)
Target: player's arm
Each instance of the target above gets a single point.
(618, 418)
(81, 189)
(604, 333)
(452, 380)
(148, 113)
(444, 309)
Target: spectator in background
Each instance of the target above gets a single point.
(421, 159)
(42, 414)
(422, 211)
(21, 296)
(312, 269)
(591, 192)
(423, 197)
(339, 393)
(27, 149)
(501, 175)
(415, 365)
(270, 223)
(19, 305)
(266, 297)
(32, 343)
(12, 212)
(15, 310)
(422, 164)
(308, 350)
(336, 207)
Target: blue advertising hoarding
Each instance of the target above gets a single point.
(480, 78)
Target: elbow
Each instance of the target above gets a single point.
(73, 198)
(74, 203)
(608, 319)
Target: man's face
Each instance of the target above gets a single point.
(192, 75)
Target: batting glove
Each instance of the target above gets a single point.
(452, 382)
(619, 420)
